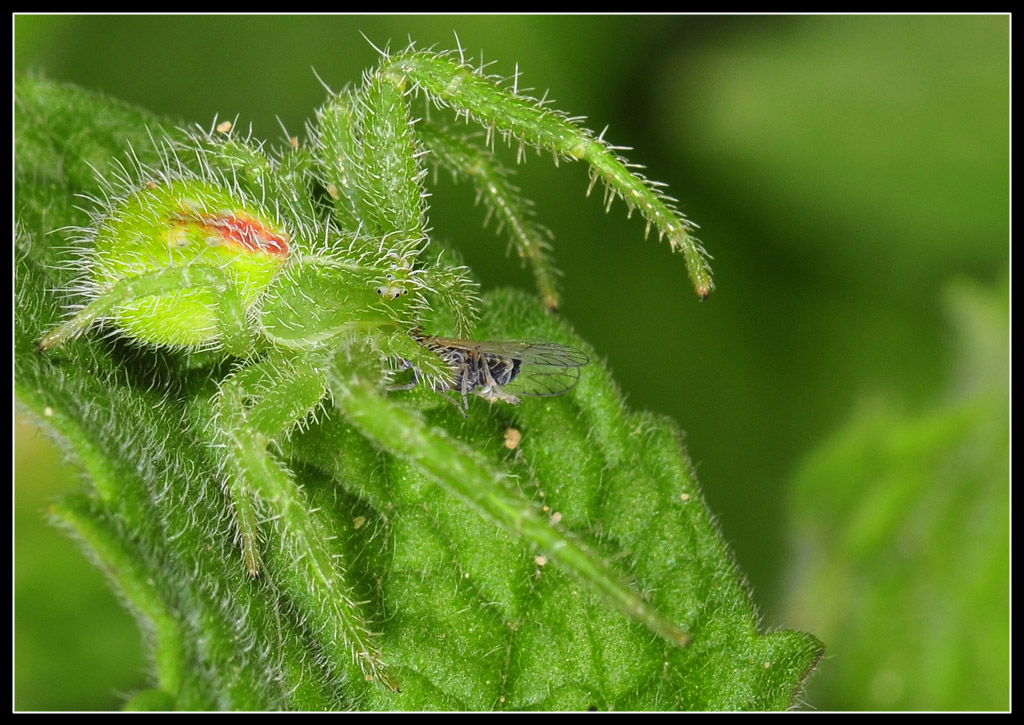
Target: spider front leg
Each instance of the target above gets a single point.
(447, 81)
(254, 407)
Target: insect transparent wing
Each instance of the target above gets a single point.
(543, 368)
(543, 380)
(546, 368)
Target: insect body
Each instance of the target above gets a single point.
(486, 368)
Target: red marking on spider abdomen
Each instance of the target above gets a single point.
(243, 231)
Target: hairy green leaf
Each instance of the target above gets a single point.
(466, 615)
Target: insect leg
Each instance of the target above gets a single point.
(405, 365)
(454, 402)
(492, 390)
(415, 381)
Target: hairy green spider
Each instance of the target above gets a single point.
(311, 267)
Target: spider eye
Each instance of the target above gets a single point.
(391, 292)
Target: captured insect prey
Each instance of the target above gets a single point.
(500, 369)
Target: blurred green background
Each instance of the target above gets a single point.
(843, 391)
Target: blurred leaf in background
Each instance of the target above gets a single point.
(902, 531)
(843, 170)
(849, 168)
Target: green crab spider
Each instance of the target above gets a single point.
(310, 269)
